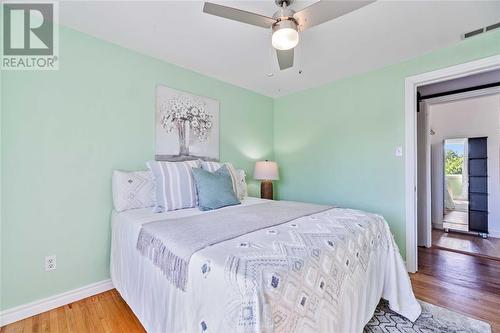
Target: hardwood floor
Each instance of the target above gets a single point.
(459, 282)
(106, 312)
(465, 243)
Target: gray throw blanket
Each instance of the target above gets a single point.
(171, 243)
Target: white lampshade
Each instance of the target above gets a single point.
(266, 170)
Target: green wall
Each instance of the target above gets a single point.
(335, 143)
(63, 132)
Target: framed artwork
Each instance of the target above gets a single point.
(186, 126)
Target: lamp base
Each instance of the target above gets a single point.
(266, 189)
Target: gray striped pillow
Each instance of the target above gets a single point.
(214, 166)
(210, 166)
(174, 184)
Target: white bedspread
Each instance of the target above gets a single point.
(322, 273)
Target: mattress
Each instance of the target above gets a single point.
(141, 284)
(325, 272)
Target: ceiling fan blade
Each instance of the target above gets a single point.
(285, 58)
(326, 10)
(238, 15)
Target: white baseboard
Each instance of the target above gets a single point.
(494, 234)
(30, 309)
(436, 225)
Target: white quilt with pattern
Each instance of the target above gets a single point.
(320, 273)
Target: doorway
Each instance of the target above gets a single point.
(411, 86)
(464, 144)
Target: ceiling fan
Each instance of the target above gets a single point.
(286, 23)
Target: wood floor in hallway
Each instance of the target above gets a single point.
(464, 283)
(467, 243)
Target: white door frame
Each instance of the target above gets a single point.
(424, 220)
(411, 85)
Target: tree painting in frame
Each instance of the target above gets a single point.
(187, 126)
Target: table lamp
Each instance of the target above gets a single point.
(266, 171)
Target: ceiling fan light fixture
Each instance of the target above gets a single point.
(286, 23)
(285, 35)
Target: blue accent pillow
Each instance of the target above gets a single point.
(215, 189)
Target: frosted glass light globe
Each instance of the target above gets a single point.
(285, 39)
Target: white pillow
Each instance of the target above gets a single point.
(132, 189)
(242, 184)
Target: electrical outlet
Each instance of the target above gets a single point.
(50, 263)
(399, 151)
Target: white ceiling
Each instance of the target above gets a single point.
(379, 34)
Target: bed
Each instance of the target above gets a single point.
(321, 272)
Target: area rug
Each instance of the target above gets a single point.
(432, 319)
